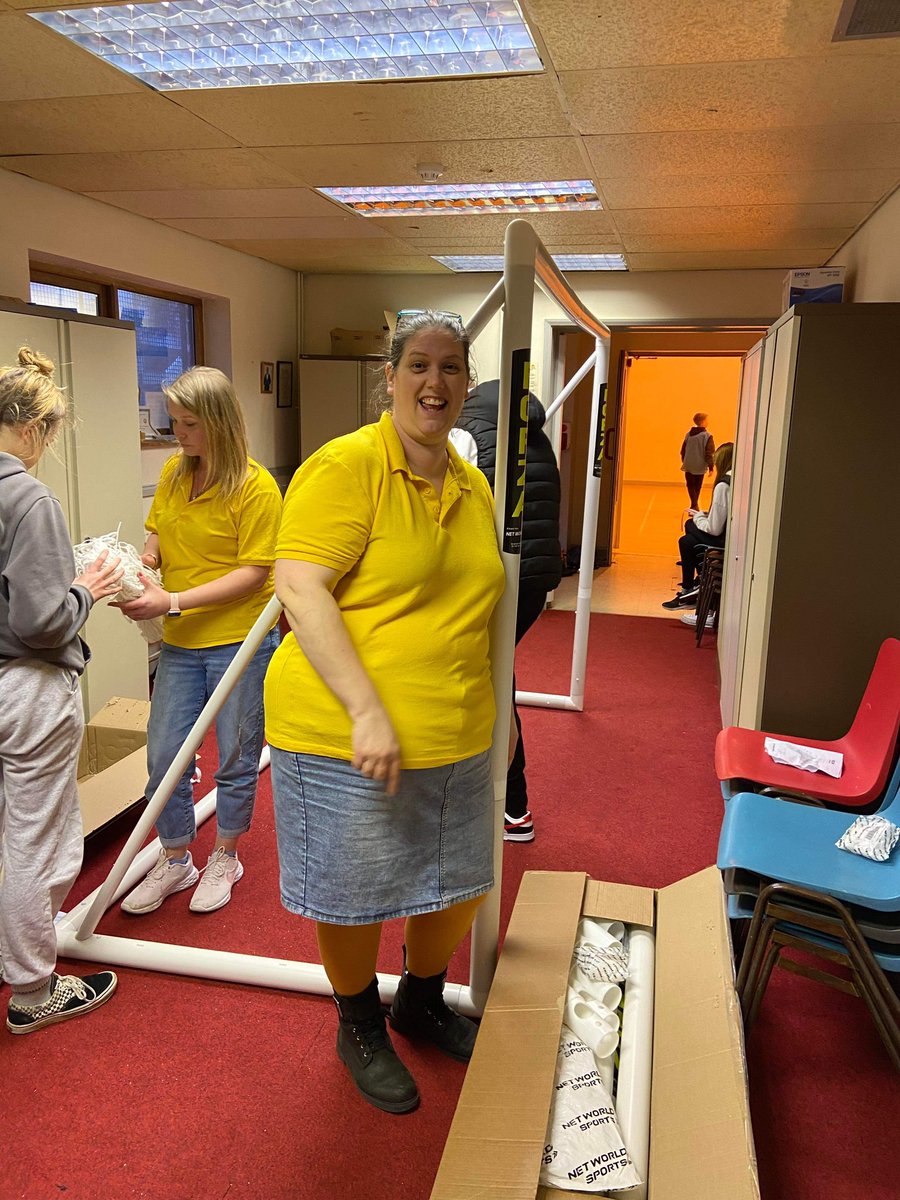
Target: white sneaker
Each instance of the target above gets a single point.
(690, 618)
(163, 880)
(220, 875)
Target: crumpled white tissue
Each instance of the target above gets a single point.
(584, 1150)
(131, 587)
(599, 954)
(872, 837)
(805, 758)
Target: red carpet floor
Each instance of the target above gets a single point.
(181, 1089)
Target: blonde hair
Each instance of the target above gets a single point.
(30, 398)
(210, 396)
(723, 459)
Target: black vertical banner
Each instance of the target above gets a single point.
(515, 452)
(601, 434)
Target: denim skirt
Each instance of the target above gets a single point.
(352, 855)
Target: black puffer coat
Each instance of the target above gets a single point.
(541, 563)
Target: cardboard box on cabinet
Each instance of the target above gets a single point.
(701, 1141)
(357, 343)
(112, 765)
(815, 285)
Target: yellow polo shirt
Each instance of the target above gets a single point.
(201, 540)
(419, 578)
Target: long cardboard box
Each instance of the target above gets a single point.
(112, 765)
(701, 1141)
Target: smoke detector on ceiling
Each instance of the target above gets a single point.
(429, 172)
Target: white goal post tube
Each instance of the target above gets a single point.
(183, 758)
(589, 526)
(635, 1055)
(570, 386)
(520, 249)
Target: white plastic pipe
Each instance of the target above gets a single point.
(228, 967)
(588, 531)
(632, 1101)
(570, 386)
(203, 810)
(509, 493)
(546, 700)
(490, 305)
(185, 755)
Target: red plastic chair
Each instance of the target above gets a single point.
(868, 748)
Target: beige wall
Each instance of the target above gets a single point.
(358, 301)
(872, 255)
(251, 309)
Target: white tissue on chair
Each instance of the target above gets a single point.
(805, 758)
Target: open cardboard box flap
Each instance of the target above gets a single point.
(112, 764)
(701, 1144)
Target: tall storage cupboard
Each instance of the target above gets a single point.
(337, 395)
(94, 467)
(812, 577)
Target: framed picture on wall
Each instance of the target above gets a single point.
(284, 396)
(267, 378)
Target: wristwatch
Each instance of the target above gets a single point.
(174, 608)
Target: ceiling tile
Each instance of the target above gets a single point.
(347, 114)
(479, 229)
(772, 239)
(730, 260)
(222, 202)
(331, 228)
(582, 34)
(373, 257)
(808, 187)
(151, 169)
(741, 151)
(479, 161)
(738, 218)
(96, 124)
(36, 64)
(736, 95)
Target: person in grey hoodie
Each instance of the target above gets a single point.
(697, 451)
(42, 608)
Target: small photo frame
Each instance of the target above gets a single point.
(267, 378)
(284, 396)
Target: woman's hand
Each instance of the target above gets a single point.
(376, 751)
(103, 577)
(149, 559)
(154, 603)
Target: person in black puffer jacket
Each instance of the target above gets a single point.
(540, 568)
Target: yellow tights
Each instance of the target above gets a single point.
(349, 952)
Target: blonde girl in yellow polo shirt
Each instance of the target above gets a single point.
(211, 531)
(379, 708)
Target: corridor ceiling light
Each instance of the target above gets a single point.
(445, 199)
(565, 262)
(240, 43)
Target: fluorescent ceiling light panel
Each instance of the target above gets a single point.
(240, 43)
(565, 262)
(445, 199)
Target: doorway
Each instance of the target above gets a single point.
(660, 396)
(670, 373)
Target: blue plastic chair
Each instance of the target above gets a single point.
(795, 843)
(813, 896)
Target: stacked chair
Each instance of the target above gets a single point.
(710, 589)
(782, 869)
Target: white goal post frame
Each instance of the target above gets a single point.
(526, 263)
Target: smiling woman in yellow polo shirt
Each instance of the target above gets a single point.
(379, 708)
(211, 531)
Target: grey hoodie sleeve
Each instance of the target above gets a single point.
(45, 610)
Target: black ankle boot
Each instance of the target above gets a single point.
(419, 1011)
(364, 1046)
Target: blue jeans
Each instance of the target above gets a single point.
(185, 680)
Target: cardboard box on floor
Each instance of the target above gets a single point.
(112, 765)
(701, 1142)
